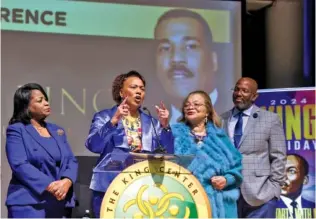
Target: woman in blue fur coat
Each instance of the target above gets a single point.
(217, 164)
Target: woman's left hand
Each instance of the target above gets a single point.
(60, 188)
(218, 182)
(163, 115)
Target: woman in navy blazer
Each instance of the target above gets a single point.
(43, 166)
(125, 128)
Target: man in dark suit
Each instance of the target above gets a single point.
(296, 170)
(258, 134)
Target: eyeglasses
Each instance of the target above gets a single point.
(242, 90)
(194, 105)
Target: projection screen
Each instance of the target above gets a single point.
(74, 49)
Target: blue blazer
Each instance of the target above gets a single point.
(33, 167)
(105, 138)
(308, 204)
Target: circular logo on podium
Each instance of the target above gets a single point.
(155, 189)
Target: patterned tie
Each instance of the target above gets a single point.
(294, 205)
(238, 129)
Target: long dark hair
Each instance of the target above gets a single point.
(21, 101)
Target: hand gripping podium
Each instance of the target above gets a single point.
(141, 185)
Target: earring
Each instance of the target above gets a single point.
(206, 120)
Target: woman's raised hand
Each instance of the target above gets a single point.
(122, 110)
(163, 114)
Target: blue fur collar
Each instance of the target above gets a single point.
(216, 156)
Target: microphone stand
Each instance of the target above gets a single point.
(160, 149)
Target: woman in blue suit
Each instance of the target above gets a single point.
(124, 128)
(43, 166)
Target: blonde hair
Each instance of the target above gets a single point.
(212, 115)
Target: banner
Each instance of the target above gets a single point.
(296, 108)
(98, 19)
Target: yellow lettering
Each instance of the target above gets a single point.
(293, 122)
(281, 213)
(72, 100)
(271, 108)
(298, 213)
(309, 121)
(307, 212)
(263, 107)
(94, 100)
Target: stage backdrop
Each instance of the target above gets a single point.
(76, 48)
(296, 108)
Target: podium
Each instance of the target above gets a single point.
(144, 185)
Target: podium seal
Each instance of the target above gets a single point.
(155, 189)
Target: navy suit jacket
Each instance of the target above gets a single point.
(305, 204)
(104, 138)
(33, 167)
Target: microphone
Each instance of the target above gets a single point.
(255, 115)
(160, 149)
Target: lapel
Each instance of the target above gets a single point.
(36, 136)
(112, 112)
(226, 119)
(250, 124)
(58, 138)
(121, 129)
(281, 204)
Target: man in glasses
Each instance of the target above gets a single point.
(259, 136)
